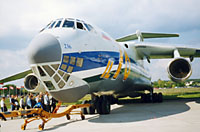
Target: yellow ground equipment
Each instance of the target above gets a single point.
(39, 113)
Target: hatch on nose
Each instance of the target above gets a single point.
(44, 48)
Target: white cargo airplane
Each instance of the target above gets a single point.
(70, 58)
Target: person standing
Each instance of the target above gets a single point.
(46, 102)
(22, 103)
(29, 102)
(53, 104)
(3, 105)
(12, 102)
(16, 103)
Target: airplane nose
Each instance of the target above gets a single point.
(44, 48)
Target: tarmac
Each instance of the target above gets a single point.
(169, 116)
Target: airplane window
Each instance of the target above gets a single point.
(41, 71)
(48, 70)
(49, 85)
(58, 24)
(88, 28)
(52, 24)
(68, 24)
(91, 28)
(63, 67)
(61, 84)
(61, 72)
(79, 62)
(56, 78)
(70, 69)
(45, 27)
(66, 77)
(79, 25)
(66, 59)
(73, 60)
(55, 66)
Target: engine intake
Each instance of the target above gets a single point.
(179, 69)
(33, 84)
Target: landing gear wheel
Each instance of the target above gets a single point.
(68, 116)
(148, 98)
(105, 105)
(84, 110)
(98, 105)
(143, 98)
(160, 97)
(155, 97)
(23, 127)
(41, 126)
(82, 117)
(91, 110)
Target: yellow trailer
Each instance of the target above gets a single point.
(39, 113)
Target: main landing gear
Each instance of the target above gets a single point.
(152, 97)
(100, 104)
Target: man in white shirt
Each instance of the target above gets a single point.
(3, 105)
(22, 103)
(46, 102)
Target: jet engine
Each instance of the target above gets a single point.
(33, 84)
(179, 69)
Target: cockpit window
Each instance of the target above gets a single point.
(52, 24)
(79, 25)
(58, 24)
(69, 24)
(88, 28)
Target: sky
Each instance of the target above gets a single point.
(21, 20)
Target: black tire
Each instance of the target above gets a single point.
(160, 97)
(91, 109)
(83, 117)
(84, 110)
(155, 97)
(105, 105)
(112, 99)
(98, 105)
(143, 98)
(68, 116)
(147, 98)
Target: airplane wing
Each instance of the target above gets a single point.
(161, 52)
(144, 35)
(16, 76)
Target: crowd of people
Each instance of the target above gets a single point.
(41, 100)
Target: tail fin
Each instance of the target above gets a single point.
(142, 35)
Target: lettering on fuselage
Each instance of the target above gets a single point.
(67, 46)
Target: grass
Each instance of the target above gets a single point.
(170, 93)
(179, 93)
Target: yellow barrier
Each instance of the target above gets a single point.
(39, 113)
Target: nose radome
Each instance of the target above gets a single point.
(44, 48)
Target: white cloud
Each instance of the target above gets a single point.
(12, 62)
(118, 18)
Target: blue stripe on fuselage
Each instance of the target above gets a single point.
(92, 59)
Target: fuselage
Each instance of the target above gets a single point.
(71, 58)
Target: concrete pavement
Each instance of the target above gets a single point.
(173, 116)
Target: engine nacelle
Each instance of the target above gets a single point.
(33, 84)
(179, 69)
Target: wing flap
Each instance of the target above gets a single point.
(145, 35)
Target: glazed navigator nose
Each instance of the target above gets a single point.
(44, 48)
